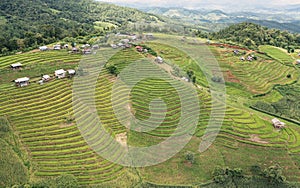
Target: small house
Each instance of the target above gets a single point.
(298, 62)
(139, 48)
(71, 72)
(242, 58)
(149, 36)
(159, 60)
(185, 79)
(87, 51)
(125, 41)
(21, 82)
(278, 124)
(16, 66)
(43, 48)
(57, 47)
(114, 46)
(95, 47)
(66, 46)
(46, 78)
(249, 58)
(236, 52)
(75, 50)
(60, 73)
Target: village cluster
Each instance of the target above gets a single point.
(243, 58)
(85, 49)
(61, 73)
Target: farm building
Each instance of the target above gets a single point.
(95, 47)
(139, 48)
(278, 124)
(87, 51)
(114, 46)
(159, 60)
(21, 82)
(46, 78)
(298, 62)
(16, 66)
(60, 73)
(43, 48)
(57, 47)
(149, 36)
(75, 50)
(250, 58)
(71, 72)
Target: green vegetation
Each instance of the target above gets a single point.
(252, 35)
(257, 76)
(278, 54)
(54, 20)
(288, 106)
(43, 118)
(13, 170)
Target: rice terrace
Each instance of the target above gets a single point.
(145, 78)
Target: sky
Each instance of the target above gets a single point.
(213, 4)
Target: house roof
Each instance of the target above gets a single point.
(71, 71)
(46, 77)
(60, 71)
(25, 79)
(276, 122)
(159, 58)
(16, 65)
(43, 47)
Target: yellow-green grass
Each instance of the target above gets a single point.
(258, 76)
(38, 114)
(277, 53)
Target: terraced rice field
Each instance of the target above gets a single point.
(278, 54)
(42, 116)
(258, 76)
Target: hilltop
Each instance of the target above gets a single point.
(26, 24)
(252, 35)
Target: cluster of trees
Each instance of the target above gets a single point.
(252, 35)
(288, 106)
(269, 177)
(26, 24)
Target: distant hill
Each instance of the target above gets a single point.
(293, 27)
(252, 35)
(29, 23)
(219, 19)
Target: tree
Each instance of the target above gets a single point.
(190, 157)
(274, 174)
(4, 50)
(113, 70)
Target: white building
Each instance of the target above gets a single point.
(46, 78)
(159, 60)
(278, 124)
(43, 48)
(16, 66)
(60, 73)
(21, 82)
(71, 72)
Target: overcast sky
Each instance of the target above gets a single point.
(222, 4)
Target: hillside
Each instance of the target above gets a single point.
(252, 35)
(26, 24)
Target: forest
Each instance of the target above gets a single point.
(252, 35)
(26, 24)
